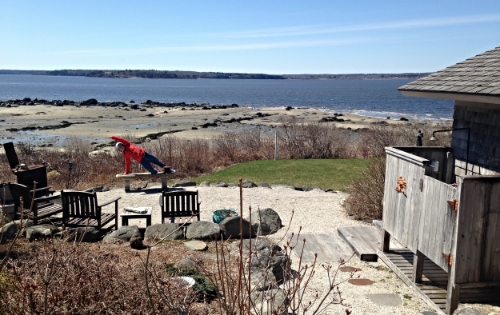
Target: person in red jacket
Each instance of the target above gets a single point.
(131, 151)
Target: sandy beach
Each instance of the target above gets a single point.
(51, 125)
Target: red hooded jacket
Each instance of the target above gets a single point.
(131, 152)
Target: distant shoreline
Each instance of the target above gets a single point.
(160, 74)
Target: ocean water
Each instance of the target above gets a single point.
(373, 98)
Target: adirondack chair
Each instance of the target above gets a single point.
(42, 207)
(27, 174)
(178, 204)
(81, 209)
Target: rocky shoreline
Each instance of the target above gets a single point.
(51, 122)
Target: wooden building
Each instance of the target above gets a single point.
(443, 203)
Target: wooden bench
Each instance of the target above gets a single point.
(81, 209)
(128, 177)
(178, 204)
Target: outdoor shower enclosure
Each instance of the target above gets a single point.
(452, 220)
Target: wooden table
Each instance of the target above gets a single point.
(125, 215)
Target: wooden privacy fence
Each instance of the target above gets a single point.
(456, 226)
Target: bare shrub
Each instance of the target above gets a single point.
(237, 147)
(366, 194)
(60, 277)
(312, 140)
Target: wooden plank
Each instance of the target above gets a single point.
(309, 249)
(491, 265)
(141, 175)
(364, 240)
(470, 229)
(334, 247)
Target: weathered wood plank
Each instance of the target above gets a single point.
(491, 259)
(334, 247)
(471, 229)
(329, 248)
(364, 240)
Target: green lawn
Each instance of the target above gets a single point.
(333, 174)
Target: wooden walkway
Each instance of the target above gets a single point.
(333, 247)
(329, 247)
(434, 281)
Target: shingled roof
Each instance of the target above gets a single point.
(479, 76)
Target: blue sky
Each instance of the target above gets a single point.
(277, 37)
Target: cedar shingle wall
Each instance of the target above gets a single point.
(484, 145)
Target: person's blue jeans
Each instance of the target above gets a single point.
(149, 159)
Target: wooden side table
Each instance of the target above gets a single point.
(126, 215)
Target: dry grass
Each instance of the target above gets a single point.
(59, 277)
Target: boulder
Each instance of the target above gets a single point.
(136, 243)
(270, 302)
(188, 263)
(41, 231)
(268, 256)
(221, 184)
(168, 231)
(262, 280)
(10, 229)
(248, 184)
(263, 184)
(203, 230)
(205, 184)
(230, 228)
(83, 234)
(124, 233)
(266, 221)
(184, 183)
(196, 245)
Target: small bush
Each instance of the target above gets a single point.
(366, 194)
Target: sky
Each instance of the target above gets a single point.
(273, 37)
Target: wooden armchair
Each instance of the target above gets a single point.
(42, 207)
(81, 209)
(178, 204)
(27, 174)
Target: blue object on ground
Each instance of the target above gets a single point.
(219, 215)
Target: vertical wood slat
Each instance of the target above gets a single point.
(492, 256)
(477, 255)
(438, 221)
(470, 231)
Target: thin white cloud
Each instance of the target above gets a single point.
(328, 29)
(229, 47)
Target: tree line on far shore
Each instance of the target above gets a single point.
(167, 74)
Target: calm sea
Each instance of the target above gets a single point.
(373, 98)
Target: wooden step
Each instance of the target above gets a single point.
(327, 248)
(364, 240)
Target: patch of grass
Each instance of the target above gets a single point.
(333, 174)
(203, 286)
(407, 296)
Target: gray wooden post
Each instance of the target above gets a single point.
(386, 241)
(450, 168)
(275, 145)
(452, 296)
(418, 266)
